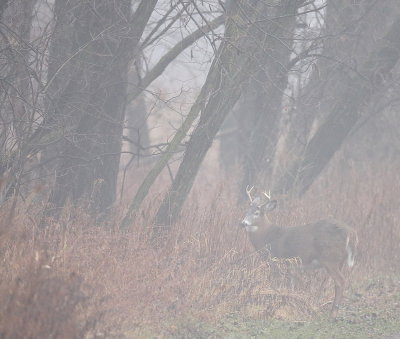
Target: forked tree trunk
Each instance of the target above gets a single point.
(232, 68)
(187, 123)
(251, 127)
(269, 87)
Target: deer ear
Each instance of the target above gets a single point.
(270, 205)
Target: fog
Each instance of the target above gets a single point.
(169, 167)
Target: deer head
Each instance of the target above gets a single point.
(257, 209)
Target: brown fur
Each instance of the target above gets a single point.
(326, 243)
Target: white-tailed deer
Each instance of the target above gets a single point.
(325, 243)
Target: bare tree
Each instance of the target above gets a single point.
(64, 96)
(255, 119)
(87, 96)
(347, 77)
(231, 70)
(18, 98)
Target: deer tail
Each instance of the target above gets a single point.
(351, 247)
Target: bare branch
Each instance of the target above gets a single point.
(166, 60)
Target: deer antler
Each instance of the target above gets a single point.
(268, 195)
(248, 191)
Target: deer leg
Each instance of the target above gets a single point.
(339, 281)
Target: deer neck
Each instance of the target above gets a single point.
(260, 237)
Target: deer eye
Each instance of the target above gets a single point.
(257, 213)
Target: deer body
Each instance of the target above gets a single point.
(314, 243)
(326, 243)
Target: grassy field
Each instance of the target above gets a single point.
(79, 279)
(372, 311)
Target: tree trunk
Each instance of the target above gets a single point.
(136, 114)
(3, 6)
(358, 89)
(265, 101)
(187, 123)
(87, 110)
(17, 99)
(231, 70)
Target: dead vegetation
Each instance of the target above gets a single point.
(78, 279)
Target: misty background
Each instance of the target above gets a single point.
(137, 126)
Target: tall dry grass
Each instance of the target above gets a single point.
(78, 279)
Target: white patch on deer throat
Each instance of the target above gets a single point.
(251, 228)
